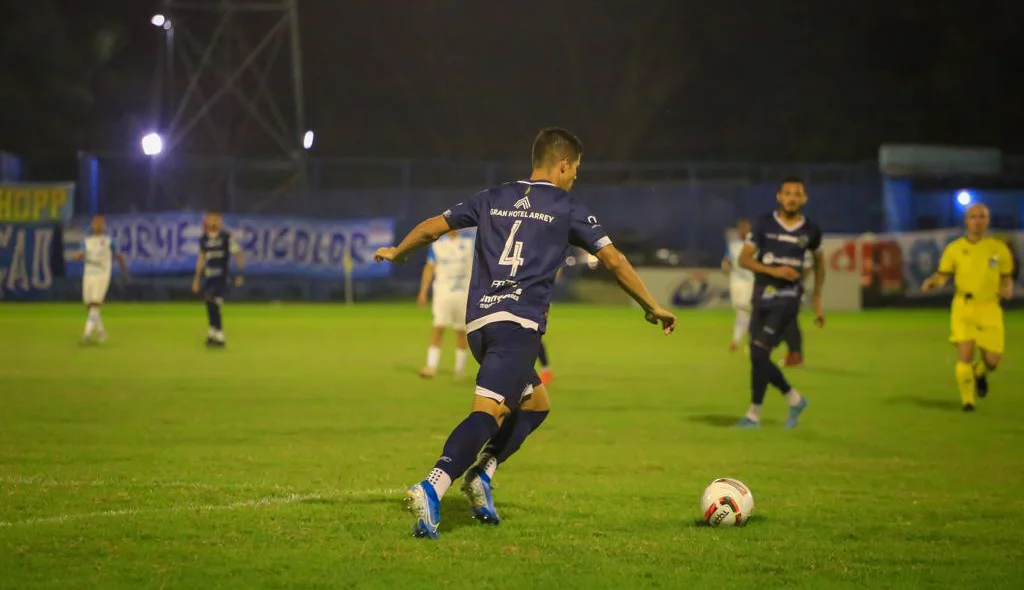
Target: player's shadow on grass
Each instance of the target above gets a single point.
(928, 403)
(833, 371)
(726, 420)
(454, 511)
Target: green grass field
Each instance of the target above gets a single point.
(281, 462)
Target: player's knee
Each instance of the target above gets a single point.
(539, 400)
(491, 406)
(991, 360)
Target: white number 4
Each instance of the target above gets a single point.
(512, 255)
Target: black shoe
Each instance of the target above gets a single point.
(981, 385)
(968, 407)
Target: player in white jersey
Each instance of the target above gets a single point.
(741, 282)
(99, 252)
(448, 270)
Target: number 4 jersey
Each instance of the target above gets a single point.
(523, 232)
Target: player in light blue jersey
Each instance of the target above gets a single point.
(523, 228)
(446, 276)
(741, 282)
(99, 252)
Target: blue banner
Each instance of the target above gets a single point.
(166, 243)
(26, 259)
(921, 251)
(36, 202)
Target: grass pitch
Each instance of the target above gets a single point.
(280, 462)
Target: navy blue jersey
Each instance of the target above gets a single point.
(523, 230)
(779, 245)
(216, 249)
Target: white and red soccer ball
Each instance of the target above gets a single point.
(727, 502)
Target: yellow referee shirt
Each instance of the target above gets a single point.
(977, 267)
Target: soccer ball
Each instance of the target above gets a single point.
(727, 502)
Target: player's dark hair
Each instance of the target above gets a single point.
(554, 144)
(792, 178)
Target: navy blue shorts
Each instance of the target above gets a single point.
(506, 352)
(768, 323)
(215, 287)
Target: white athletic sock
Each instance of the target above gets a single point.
(742, 324)
(98, 320)
(440, 480)
(460, 360)
(754, 412)
(210, 332)
(90, 325)
(793, 397)
(490, 467)
(433, 357)
(218, 335)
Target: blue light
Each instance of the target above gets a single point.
(965, 198)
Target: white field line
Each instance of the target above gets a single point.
(264, 502)
(36, 480)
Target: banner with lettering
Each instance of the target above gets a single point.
(922, 250)
(167, 243)
(30, 256)
(895, 264)
(28, 202)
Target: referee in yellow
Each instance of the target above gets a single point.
(982, 268)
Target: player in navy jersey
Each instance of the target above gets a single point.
(775, 252)
(213, 266)
(522, 231)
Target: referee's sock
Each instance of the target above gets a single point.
(965, 381)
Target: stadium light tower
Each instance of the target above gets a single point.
(229, 86)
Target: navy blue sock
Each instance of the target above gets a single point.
(543, 356)
(794, 338)
(758, 376)
(464, 443)
(513, 432)
(765, 372)
(213, 313)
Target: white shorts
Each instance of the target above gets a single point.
(94, 289)
(741, 292)
(450, 310)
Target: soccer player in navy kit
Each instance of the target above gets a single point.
(523, 229)
(213, 265)
(775, 252)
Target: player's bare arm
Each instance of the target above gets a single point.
(819, 286)
(936, 281)
(1006, 287)
(240, 265)
(200, 265)
(122, 264)
(425, 233)
(425, 280)
(750, 262)
(630, 282)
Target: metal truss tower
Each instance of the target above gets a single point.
(228, 96)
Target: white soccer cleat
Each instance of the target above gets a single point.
(476, 485)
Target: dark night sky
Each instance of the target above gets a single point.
(640, 79)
